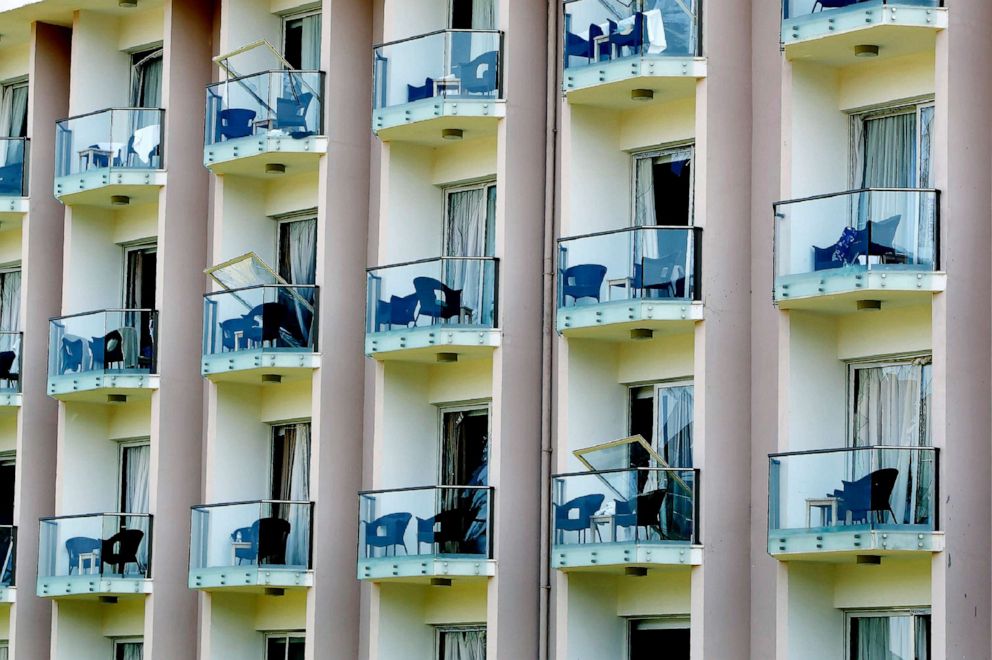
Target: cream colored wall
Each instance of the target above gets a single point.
(14, 61)
(8, 432)
(5, 622)
(287, 612)
(658, 123)
(242, 225)
(10, 245)
(465, 160)
(406, 434)
(399, 630)
(290, 193)
(665, 357)
(132, 420)
(101, 71)
(817, 139)
(245, 21)
(135, 223)
(125, 618)
(228, 627)
(593, 407)
(238, 448)
(87, 480)
(893, 583)
(817, 384)
(462, 603)
(814, 627)
(466, 380)
(93, 262)
(76, 631)
(291, 400)
(411, 205)
(141, 28)
(292, 6)
(877, 82)
(598, 172)
(891, 331)
(407, 18)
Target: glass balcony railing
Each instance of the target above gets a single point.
(8, 555)
(268, 533)
(605, 30)
(120, 341)
(878, 488)
(638, 505)
(267, 104)
(13, 167)
(118, 139)
(450, 64)
(271, 317)
(10, 362)
(856, 231)
(656, 263)
(108, 545)
(455, 292)
(797, 10)
(450, 522)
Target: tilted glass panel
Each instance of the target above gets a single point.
(267, 104)
(643, 505)
(649, 263)
(459, 292)
(115, 139)
(106, 545)
(267, 533)
(271, 318)
(453, 521)
(451, 64)
(120, 341)
(870, 488)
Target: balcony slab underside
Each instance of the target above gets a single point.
(9, 401)
(833, 545)
(250, 579)
(424, 344)
(839, 290)
(8, 595)
(92, 586)
(96, 386)
(249, 366)
(830, 37)
(615, 319)
(96, 187)
(421, 122)
(609, 83)
(421, 569)
(248, 156)
(13, 207)
(613, 557)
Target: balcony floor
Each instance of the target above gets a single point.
(610, 556)
(838, 290)
(8, 595)
(248, 156)
(421, 122)
(9, 402)
(96, 187)
(613, 320)
(833, 544)
(609, 83)
(421, 568)
(830, 37)
(92, 586)
(423, 344)
(95, 386)
(12, 208)
(250, 366)
(250, 578)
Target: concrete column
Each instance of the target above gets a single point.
(961, 330)
(177, 408)
(766, 140)
(721, 586)
(333, 612)
(515, 470)
(37, 429)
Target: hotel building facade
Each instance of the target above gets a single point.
(464, 329)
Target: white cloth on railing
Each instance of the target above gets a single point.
(654, 25)
(146, 141)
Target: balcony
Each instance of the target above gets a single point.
(266, 332)
(433, 310)
(265, 123)
(13, 177)
(828, 32)
(612, 49)
(842, 251)
(110, 158)
(625, 520)
(10, 370)
(104, 356)
(848, 503)
(443, 531)
(445, 84)
(8, 558)
(262, 546)
(630, 283)
(105, 555)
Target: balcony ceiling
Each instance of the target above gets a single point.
(838, 50)
(16, 16)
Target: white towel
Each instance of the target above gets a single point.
(146, 140)
(655, 29)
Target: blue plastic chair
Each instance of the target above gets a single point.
(416, 93)
(292, 113)
(235, 123)
(83, 545)
(632, 39)
(437, 300)
(643, 510)
(479, 75)
(585, 506)
(583, 281)
(71, 354)
(386, 532)
(231, 329)
(576, 46)
(246, 535)
(401, 311)
(425, 533)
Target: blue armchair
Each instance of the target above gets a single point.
(583, 509)
(480, 75)
(235, 123)
(583, 281)
(388, 531)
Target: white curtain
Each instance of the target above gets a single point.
(922, 637)
(310, 47)
(147, 77)
(137, 463)
(674, 443)
(927, 203)
(303, 267)
(884, 638)
(483, 14)
(3, 653)
(466, 235)
(13, 121)
(10, 309)
(644, 206)
(885, 157)
(297, 551)
(464, 645)
(131, 650)
(891, 408)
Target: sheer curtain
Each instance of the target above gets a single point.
(674, 444)
(298, 490)
(644, 205)
(303, 268)
(926, 243)
(136, 475)
(3, 653)
(464, 645)
(10, 309)
(891, 408)
(13, 121)
(483, 14)
(922, 634)
(885, 158)
(466, 235)
(310, 46)
(884, 638)
(131, 650)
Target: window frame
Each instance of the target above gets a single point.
(294, 15)
(284, 634)
(122, 445)
(657, 151)
(876, 613)
(858, 116)
(273, 426)
(441, 629)
(118, 641)
(17, 83)
(669, 622)
(656, 386)
(144, 54)
(468, 406)
(281, 219)
(140, 245)
(897, 360)
(483, 184)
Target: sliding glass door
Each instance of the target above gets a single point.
(290, 481)
(889, 636)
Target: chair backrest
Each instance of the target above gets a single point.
(72, 353)
(425, 529)
(584, 505)
(128, 541)
(80, 545)
(418, 92)
(113, 345)
(271, 536)
(236, 122)
(883, 232)
(393, 526)
(649, 506)
(6, 363)
(435, 298)
(584, 280)
(882, 482)
(403, 311)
